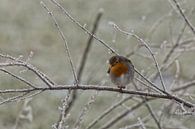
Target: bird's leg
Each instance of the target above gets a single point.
(121, 87)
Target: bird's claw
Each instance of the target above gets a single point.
(121, 87)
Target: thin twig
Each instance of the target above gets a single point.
(135, 49)
(141, 123)
(88, 46)
(63, 38)
(84, 59)
(61, 121)
(137, 124)
(184, 86)
(147, 47)
(21, 97)
(184, 17)
(82, 27)
(167, 57)
(146, 84)
(107, 111)
(84, 111)
(178, 69)
(122, 115)
(177, 74)
(164, 66)
(30, 67)
(182, 45)
(19, 78)
(148, 106)
(157, 24)
(12, 99)
(150, 82)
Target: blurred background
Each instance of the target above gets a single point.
(26, 30)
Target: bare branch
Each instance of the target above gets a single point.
(64, 39)
(84, 111)
(21, 97)
(184, 86)
(177, 44)
(63, 114)
(82, 27)
(157, 23)
(110, 109)
(147, 47)
(15, 98)
(18, 62)
(88, 46)
(19, 78)
(167, 95)
(31, 68)
(122, 115)
(149, 107)
(103, 88)
(84, 59)
(184, 17)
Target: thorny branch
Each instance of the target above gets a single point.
(149, 107)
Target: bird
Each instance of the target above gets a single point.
(121, 71)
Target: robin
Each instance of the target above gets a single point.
(121, 71)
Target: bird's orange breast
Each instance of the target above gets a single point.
(118, 69)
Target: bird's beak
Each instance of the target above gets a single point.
(108, 70)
